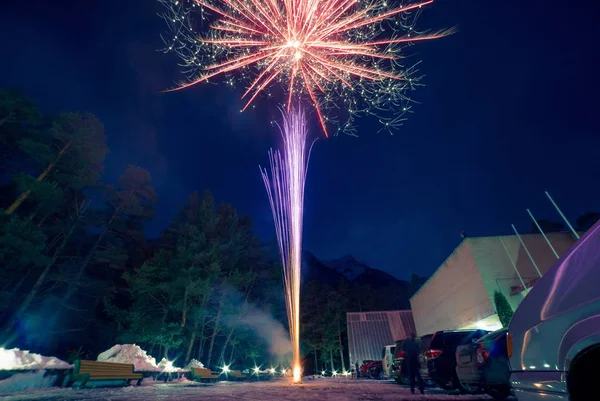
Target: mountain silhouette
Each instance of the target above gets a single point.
(385, 291)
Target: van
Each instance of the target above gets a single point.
(554, 335)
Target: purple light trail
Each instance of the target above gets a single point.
(285, 188)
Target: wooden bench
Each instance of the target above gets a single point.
(84, 371)
(203, 374)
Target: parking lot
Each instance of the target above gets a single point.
(322, 389)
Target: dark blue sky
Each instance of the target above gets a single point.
(510, 109)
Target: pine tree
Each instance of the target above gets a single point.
(19, 121)
(503, 308)
(133, 198)
(80, 151)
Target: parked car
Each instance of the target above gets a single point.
(364, 369)
(483, 365)
(399, 370)
(424, 343)
(554, 335)
(371, 369)
(375, 370)
(387, 359)
(440, 357)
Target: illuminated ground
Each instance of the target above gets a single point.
(321, 390)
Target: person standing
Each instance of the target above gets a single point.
(357, 371)
(412, 350)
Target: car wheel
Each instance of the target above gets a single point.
(499, 393)
(380, 375)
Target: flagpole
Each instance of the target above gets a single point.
(543, 234)
(526, 250)
(562, 215)
(512, 262)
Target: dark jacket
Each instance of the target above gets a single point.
(411, 349)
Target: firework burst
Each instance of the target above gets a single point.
(341, 55)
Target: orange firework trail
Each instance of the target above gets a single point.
(332, 52)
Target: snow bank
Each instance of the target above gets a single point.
(133, 354)
(16, 359)
(26, 381)
(194, 363)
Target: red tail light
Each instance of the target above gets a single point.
(432, 353)
(482, 354)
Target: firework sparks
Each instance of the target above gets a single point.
(327, 51)
(285, 187)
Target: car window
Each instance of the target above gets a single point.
(472, 336)
(455, 339)
(437, 342)
(492, 336)
(383, 353)
(426, 342)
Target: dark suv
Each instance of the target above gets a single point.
(440, 357)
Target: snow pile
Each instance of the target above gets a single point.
(26, 381)
(194, 363)
(16, 359)
(167, 366)
(132, 354)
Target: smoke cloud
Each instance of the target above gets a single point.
(268, 329)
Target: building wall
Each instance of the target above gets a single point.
(454, 297)
(496, 269)
(369, 332)
(460, 294)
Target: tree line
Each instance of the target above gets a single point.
(78, 273)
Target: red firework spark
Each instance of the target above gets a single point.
(312, 47)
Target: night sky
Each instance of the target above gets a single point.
(510, 109)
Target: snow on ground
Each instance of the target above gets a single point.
(16, 359)
(184, 390)
(133, 354)
(149, 381)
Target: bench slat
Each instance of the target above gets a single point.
(129, 370)
(100, 363)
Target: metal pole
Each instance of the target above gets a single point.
(562, 215)
(513, 263)
(543, 234)
(526, 250)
